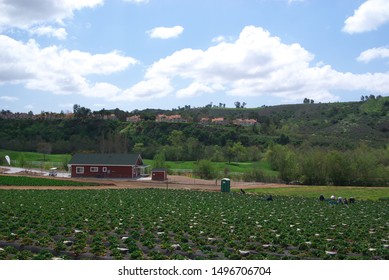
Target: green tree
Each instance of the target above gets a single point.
(139, 148)
(312, 167)
(159, 160)
(177, 141)
(81, 112)
(234, 151)
(284, 160)
(22, 160)
(176, 137)
(44, 148)
(339, 169)
(205, 169)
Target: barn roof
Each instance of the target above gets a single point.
(159, 170)
(105, 159)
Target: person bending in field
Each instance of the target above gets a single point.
(269, 198)
(340, 200)
(352, 200)
(242, 191)
(345, 201)
(321, 197)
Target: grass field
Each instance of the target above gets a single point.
(34, 160)
(238, 167)
(360, 193)
(37, 182)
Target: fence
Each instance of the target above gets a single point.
(37, 164)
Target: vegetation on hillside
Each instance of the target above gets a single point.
(363, 166)
(309, 134)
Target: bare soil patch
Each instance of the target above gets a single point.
(174, 182)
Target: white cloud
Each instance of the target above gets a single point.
(58, 70)
(137, 1)
(369, 16)
(66, 106)
(373, 53)
(293, 1)
(25, 14)
(9, 98)
(98, 105)
(166, 32)
(196, 89)
(222, 38)
(43, 17)
(219, 39)
(59, 33)
(259, 64)
(146, 89)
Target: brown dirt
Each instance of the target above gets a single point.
(174, 182)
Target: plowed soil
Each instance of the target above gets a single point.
(174, 182)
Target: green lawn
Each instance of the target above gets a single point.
(34, 160)
(28, 181)
(32, 156)
(59, 159)
(239, 167)
(360, 193)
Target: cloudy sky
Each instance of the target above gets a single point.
(136, 54)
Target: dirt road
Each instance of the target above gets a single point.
(174, 182)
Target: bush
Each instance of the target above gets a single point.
(205, 169)
(254, 175)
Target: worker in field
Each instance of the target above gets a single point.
(321, 197)
(269, 198)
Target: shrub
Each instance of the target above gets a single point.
(205, 169)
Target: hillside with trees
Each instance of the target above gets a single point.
(289, 136)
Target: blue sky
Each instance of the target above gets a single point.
(137, 54)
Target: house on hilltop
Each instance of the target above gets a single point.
(134, 119)
(219, 121)
(245, 122)
(170, 119)
(107, 166)
(204, 120)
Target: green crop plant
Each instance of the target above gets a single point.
(200, 225)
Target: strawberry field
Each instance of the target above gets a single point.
(39, 182)
(176, 224)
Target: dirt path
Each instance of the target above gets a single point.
(174, 182)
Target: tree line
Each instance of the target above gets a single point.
(363, 166)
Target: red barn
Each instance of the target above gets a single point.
(107, 165)
(159, 174)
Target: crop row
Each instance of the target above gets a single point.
(30, 181)
(173, 224)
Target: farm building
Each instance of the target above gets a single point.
(159, 174)
(107, 165)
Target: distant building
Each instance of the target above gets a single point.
(170, 119)
(204, 120)
(245, 122)
(159, 174)
(220, 121)
(110, 117)
(107, 166)
(134, 119)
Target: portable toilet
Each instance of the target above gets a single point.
(53, 171)
(225, 185)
